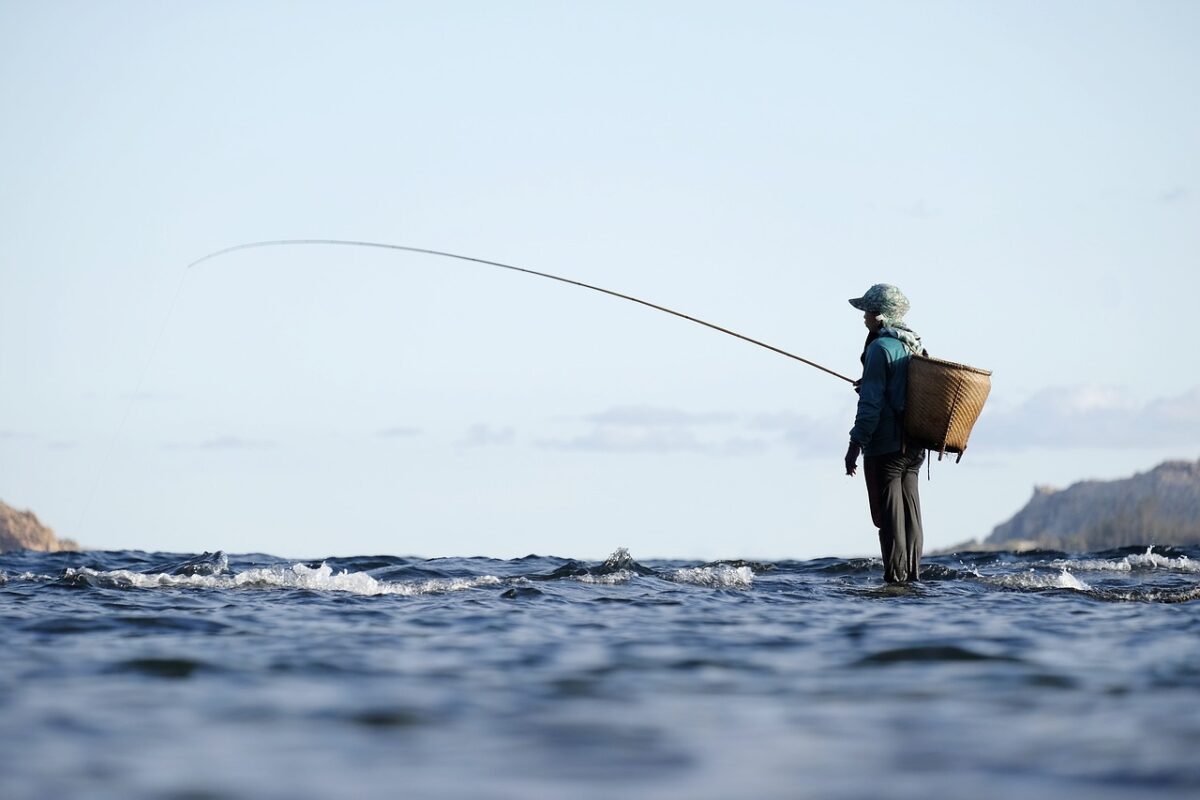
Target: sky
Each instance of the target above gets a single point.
(1027, 172)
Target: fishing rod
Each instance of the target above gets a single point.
(442, 253)
(420, 250)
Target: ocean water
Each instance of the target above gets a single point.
(1039, 675)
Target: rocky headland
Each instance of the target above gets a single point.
(21, 530)
(1161, 506)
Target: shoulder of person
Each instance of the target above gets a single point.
(893, 348)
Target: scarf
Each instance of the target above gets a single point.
(907, 336)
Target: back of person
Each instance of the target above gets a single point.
(882, 393)
(890, 468)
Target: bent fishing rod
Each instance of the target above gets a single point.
(443, 254)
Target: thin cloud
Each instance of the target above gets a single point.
(656, 416)
(656, 429)
(776, 421)
(398, 433)
(919, 209)
(481, 435)
(223, 443)
(609, 439)
(1092, 417)
(804, 435)
(1173, 195)
(53, 444)
(147, 396)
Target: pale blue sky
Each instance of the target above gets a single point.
(1027, 172)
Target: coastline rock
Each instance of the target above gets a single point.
(21, 530)
(1161, 506)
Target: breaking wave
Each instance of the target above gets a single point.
(212, 571)
(298, 576)
(1152, 575)
(606, 578)
(721, 576)
(1134, 562)
(1036, 580)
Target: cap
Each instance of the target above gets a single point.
(883, 299)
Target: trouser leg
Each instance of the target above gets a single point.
(884, 492)
(873, 475)
(914, 530)
(892, 482)
(895, 564)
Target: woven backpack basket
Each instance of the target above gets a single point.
(944, 400)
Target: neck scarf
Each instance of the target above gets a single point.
(897, 329)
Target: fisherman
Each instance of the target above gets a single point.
(890, 465)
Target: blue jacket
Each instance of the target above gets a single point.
(881, 397)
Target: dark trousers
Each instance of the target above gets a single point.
(892, 481)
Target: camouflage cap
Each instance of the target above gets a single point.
(883, 299)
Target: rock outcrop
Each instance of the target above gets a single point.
(21, 530)
(1161, 506)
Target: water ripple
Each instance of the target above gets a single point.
(245, 675)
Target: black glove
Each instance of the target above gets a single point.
(852, 458)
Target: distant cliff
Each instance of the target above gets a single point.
(1161, 506)
(21, 530)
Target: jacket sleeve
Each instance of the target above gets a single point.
(870, 395)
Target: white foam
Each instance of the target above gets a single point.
(619, 558)
(1035, 580)
(721, 576)
(1136, 561)
(298, 576)
(608, 579)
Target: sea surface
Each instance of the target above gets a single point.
(1034, 675)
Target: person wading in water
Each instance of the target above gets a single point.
(890, 466)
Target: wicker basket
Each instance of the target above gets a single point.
(944, 400)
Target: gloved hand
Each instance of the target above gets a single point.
(852, 458)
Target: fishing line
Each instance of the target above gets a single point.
(420, 250)
(442, 253)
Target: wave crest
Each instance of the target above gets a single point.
(721, 576)
(1135, 562)
(1036, 580)
(298, 576)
